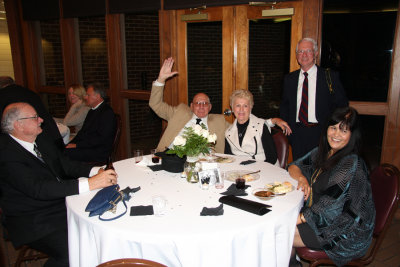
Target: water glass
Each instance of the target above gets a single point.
(159, 205)
(219, 180)
(138, 155)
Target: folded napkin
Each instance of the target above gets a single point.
(142, 210)
(232, 190)
(213, 211)
(244, 204)
(155, 168)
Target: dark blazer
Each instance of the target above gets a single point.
(15, 93)
(32, 193)
(94, 141)
(304, 139)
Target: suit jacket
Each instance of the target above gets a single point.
(15, 93)
(95, 140)
(32, 193)
(304, 139)
(177, 118)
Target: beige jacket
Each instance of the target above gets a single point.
(177, 118)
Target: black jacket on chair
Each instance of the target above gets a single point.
(32, 193)
(95, 140)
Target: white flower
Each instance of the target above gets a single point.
(197, 129)
(179, 141)
(212, 138)
(204, 133)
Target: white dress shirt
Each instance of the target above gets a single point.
(312, 87)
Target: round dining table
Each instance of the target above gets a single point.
(182, 237)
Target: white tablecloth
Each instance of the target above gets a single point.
(182, 237)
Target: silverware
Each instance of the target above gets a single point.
(241, 176)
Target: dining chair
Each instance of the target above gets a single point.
(25, 254)
(282, 146)
(385, 184)
(131, 262)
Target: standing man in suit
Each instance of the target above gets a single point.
(307, 100)
(181, 116)
(94, 141)
(35, 178)
(12, 93)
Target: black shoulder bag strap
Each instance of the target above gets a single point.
(329, 80)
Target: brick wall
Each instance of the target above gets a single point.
(52, 53)
(204, 45)
(142, 50)
(92, 35)
(269, 47)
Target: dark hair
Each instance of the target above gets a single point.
(99, 89)
(348, 118)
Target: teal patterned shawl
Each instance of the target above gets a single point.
(344, 217)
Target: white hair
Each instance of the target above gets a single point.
(307, 39)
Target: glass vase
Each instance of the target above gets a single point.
(192, 168)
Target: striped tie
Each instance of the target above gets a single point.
(38, 154)
(303, 113)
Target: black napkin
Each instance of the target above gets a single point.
(156, 168)
(244, 204)
(212, 211)
(232, 190)
(142, 210)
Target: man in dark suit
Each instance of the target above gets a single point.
(307, 100)
(12, 93)
(35, 178)
(94, 141)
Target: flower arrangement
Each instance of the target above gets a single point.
(194, 141)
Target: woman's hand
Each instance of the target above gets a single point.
(304, 186)
(283, 125)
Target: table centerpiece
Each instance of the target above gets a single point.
(196, 140)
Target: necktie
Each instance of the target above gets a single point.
(38, 154)
(303, 113)
(198, 121)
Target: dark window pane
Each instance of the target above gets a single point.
(204, 45)
(55, 104)
(142, 50)
(269, 50)
(372, 134)
(359, 46)
(52, 53)
(145, 126)
(92, 34)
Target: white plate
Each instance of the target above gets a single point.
(233, 175)
(286, 189)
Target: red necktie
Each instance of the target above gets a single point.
(303, 113)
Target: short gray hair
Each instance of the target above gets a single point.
(11, 113)
(242, 93)
(315, 45)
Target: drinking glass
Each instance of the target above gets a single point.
(155, 159)
(219, 180)
(159, 205)
(240, 183)
(138, 155)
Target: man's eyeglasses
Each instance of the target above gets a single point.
(33, 117)
(307, 51)
(201, 103)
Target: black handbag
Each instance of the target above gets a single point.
(107, 199)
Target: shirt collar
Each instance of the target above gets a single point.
(203, 120)
(98, 105)
(311, 71)
(27, 145)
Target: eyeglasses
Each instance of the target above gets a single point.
(308, 51)
(201, 103)
(34, 117)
